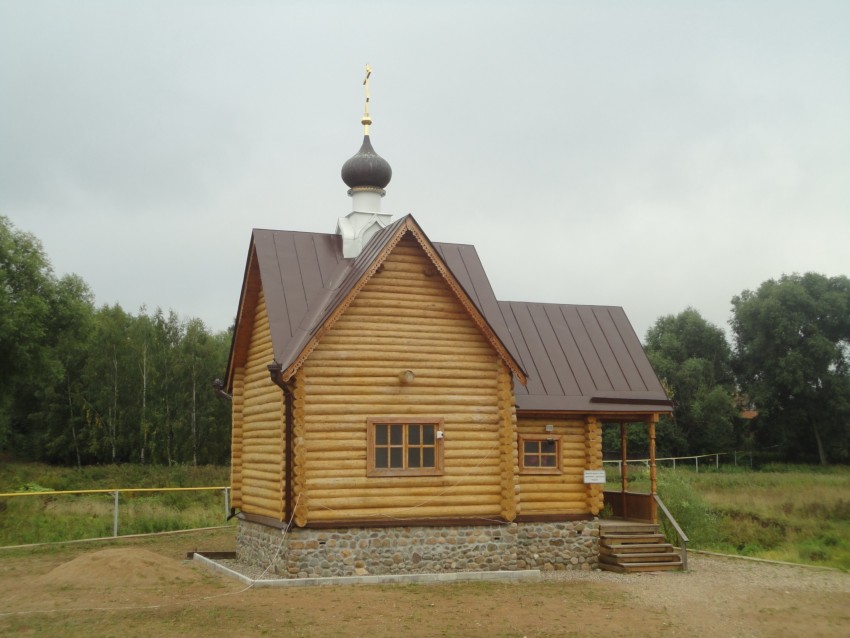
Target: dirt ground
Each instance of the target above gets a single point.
(144, 587)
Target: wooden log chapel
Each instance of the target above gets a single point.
(390, 415)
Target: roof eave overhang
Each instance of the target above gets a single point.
(409, 225)
(250, 263)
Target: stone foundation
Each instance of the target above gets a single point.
(359, 551)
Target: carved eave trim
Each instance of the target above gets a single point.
(409, 226)
(342, 306)
(464, 299)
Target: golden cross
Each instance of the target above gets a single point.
(367, 120)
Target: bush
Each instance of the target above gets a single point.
(689, 509)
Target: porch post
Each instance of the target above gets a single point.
(624, 470)
(652, 482)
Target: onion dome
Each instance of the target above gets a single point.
(367, 170)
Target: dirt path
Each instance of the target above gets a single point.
(144, 588)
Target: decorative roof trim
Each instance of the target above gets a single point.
(343, 306)
(464, 299)
(408, 225)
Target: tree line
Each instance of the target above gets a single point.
(787, 371)
(82, 384)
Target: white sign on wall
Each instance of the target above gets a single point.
(594, 476)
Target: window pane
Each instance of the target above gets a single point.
(381, 457)
(428, 457)
(396, 434)
(531, 447)
(413, 434)
(549, 461)
(413, 458)
(531, 460)
(381, 434)
(396, 457)
(547, 447)
(428, 434)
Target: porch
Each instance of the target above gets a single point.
(631, 540)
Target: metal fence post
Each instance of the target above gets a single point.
(226, 502)
(717, 462)
(115, 516)
(696, 458)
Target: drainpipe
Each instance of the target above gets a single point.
(275, 371)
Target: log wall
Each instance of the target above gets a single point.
(262, 446)
(405, 318)
(564, 493)
(593, 460)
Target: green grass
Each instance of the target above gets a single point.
(48, 518)
(799, 514)
(792, 513)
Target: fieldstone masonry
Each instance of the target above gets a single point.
(358, 551)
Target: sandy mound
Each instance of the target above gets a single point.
(121, 567)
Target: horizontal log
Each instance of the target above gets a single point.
(445, 360)
(400, 286)
(393, 266)
(261, 509)
(266, 407)
(259, 376)
(412, 296)
(389, 408)
(260, 423)
(435, 347)
(567, 507)
(258, 354)
(469, 419)
(541, 492)
(450, 473)
(324, 371)
(338, 458)
(382, 324)
(414, 312)
(422, 383)
(257, 364)
(390, 386)
(318, 513)
(271, 460)
(258, 475)
(262, 383)
(369, 398)
(272, 448)
(381, 503)
(400, 482)
(413, 495)
(258, 491)
(263, 429)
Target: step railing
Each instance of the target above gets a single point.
(682, 538)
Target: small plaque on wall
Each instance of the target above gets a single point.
(594, 476)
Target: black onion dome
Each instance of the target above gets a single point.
(367, 168)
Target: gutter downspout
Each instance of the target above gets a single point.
(275, 370)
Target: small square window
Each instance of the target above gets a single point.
(540, 454)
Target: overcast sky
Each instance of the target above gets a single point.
(650, 155)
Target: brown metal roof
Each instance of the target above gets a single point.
(581, 358)
(576, 358)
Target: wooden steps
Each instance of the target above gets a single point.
(629, 547)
